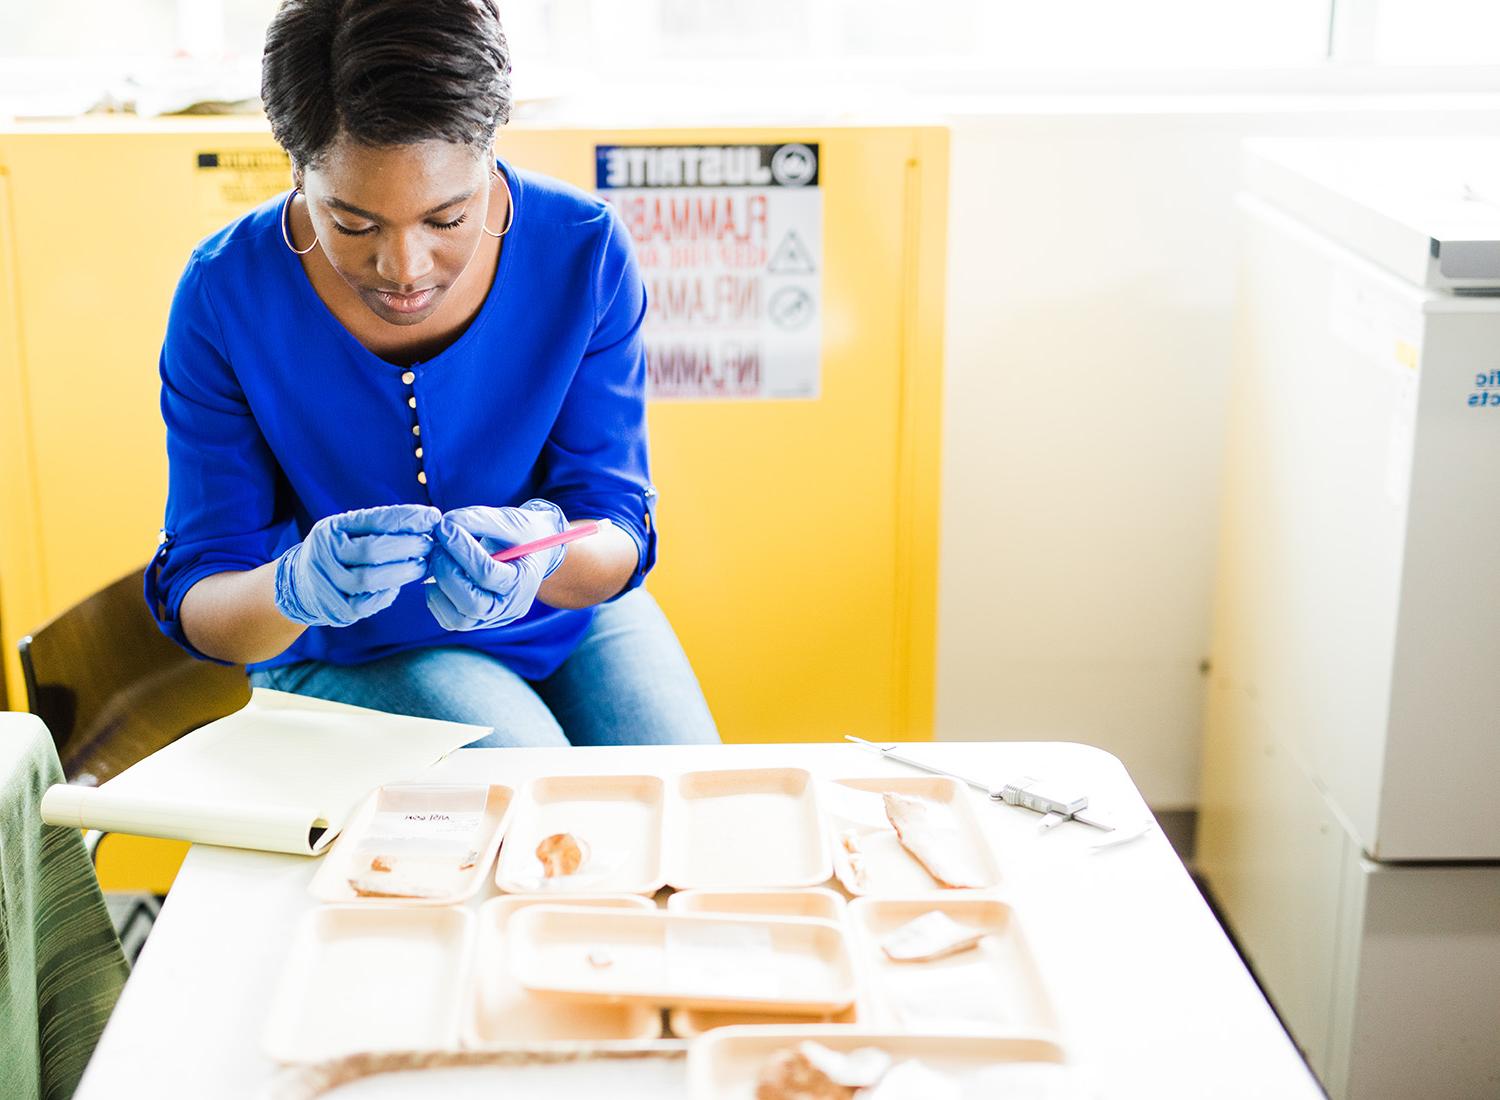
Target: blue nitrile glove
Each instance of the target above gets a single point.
(351, 565)
(472, 589)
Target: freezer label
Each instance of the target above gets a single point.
(1486, 390)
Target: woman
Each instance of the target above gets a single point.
(417, 357)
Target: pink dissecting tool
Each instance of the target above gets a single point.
(514, 552)
(583, 530)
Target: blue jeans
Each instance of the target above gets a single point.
(627, 683)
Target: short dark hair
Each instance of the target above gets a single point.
(384, 72)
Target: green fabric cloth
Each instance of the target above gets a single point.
(61, 967)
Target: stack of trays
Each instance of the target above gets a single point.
(752, 944)
(712, 961)
(822, 904)
(502, 1012)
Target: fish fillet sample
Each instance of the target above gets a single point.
(854, 856)
(930, 842)
(388, 876)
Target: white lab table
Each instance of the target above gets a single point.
(1151, 998)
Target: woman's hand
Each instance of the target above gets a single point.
(353, 564)
(471, 589)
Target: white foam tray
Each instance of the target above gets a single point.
(994, 985)
(689, 1023)
(331, 881)
(730, 829)
(691, 960)
(725, 1064)
(619, 817)
(370, 978)
(889, 868)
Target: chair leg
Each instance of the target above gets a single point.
(91, 839)
(137, 916)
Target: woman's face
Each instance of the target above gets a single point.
(400, 223)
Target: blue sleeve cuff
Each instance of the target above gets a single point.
(165, 589)
(634, 514)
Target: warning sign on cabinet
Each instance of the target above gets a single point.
(230, 182)
(729, 239)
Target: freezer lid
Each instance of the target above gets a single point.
(1427, 209)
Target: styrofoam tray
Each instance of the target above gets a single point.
(619, 817)
(890, 868)
(817, 901)
(502, 1012)
(759, 827)
(689, 1023)
(994, 985)
(367, 977)
(331, 882)
(692, 960)
(725, 1064)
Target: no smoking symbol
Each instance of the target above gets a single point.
(790, 307)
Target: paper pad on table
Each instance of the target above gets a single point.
(282, 774)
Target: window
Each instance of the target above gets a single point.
(80, 52)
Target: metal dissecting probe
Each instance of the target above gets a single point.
(1054, 806)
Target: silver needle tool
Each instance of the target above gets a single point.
(1054, 806)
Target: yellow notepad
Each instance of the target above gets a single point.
(283, 774)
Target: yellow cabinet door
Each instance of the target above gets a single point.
(799, 537)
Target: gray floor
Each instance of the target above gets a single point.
(1179, 827)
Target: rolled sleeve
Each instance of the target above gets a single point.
(222, 511)
(595, 462)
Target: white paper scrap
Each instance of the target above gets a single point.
(721, 958)
(931, 936)
(857, 1069)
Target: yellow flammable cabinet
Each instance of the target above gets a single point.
(799, 536)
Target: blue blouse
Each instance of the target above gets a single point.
(277, 416)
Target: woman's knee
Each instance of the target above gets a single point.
(630, 682)
(462, 685)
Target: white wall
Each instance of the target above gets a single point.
(1091, 282)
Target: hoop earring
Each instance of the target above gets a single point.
(286, 204)
(510, 206)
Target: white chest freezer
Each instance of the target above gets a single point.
(1360, 566)
(1352, 742)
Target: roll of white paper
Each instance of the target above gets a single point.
(262, 826)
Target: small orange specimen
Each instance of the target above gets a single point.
(561, 854)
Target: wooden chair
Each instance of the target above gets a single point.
(113, 689)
